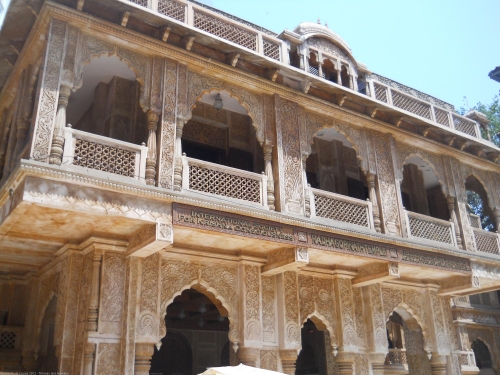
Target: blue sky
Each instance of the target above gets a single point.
(445, 48)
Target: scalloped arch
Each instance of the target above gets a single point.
(407, 314)
(441, 179)
(322, 324)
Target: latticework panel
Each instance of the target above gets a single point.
(464, 299)
(104, 158)
(475, 221)
(411, 105)
(172, 9)
(7, 340)
(441, 117)
(396, 358)
(486, 243)
(225, 30)
(225, 184)
(466, 360)
(142, 3)
(380, 92)
(464, 126)
(331, 208)
(475, 299)
(313, 70)
(271, 49)
(430, 230)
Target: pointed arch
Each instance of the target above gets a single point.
(200, 85)
(322, 324)
(91, 48)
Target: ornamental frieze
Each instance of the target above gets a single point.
(232, 224)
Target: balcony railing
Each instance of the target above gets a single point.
(219, 180)
(396, 357)
(467, 359)
(104, 154)
(475, 221)
(486, 242)
(341, 208)
(11, 337)
(430, 228)
(424, 109)
(219, 24)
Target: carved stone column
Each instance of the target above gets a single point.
(345, 361)
(248, 356)
(339, 76)
(151, 158)
(88, 359)
(268, 167)
(307, 198)
(178, 155)
(94, 293)
(288, 360)
(143, 354)
(496, 215)
(377, 360)
(370, 179)
(438, 365)
(450, 200)
(56, 149)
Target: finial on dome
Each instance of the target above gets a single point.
(326, 24)
(319, 21)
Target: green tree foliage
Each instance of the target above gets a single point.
(492, 111)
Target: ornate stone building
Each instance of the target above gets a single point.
(225, 194)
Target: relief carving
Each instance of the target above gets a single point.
(166, 170)
(378, 316)
(269, 360)
(268, 308)
(108, 359)
(292, 329)
(347, 311)
(252, 303)
(113, 290)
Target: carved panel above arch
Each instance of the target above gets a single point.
(404, 151)
(314, 123)
(219, 280)
(253, 103)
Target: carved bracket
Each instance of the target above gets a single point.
(285, 260)
(376, 273)
(150, 239)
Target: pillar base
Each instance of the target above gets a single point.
(143, 354)
(248, 356)
(288, 359)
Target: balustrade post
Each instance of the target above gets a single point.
(450, 200)
(88, 361)
(151, 158)
(178, 154)
(307, 200)
(496, 215)
(56, 149)
(339, 76)
(94, 293)
(268, 167)
(370, 179)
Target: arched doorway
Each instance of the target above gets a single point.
(421, 191)
(312, 357)
(197, 336)
(406, 344)
(47, 360)
(480, 215)
(107, 103)
(483, 357)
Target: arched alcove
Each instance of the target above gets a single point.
(107, 103)
(197, 327)
(47, 360)
(421, 191)
(478, 205)
(312, 357)
(224, 136)
(483, 356)
(329, 71)
(334, 166)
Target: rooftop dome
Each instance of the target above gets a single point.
(309, 29)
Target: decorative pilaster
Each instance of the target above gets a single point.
(450, 200)
(438, 365)
(288, 360)
(268, 168)
(251, 312)
(248, 356)
(151, 158)
(143, 354)
(94, 293)
(88, 359)
(377, 360)
(29, 362)
(56, 149)
(178, 155)
(370, 179)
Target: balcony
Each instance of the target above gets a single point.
(219, 24)
(486, 242)
(430, 228)
(220, 181)
(342, 208)
(431, 112)
(104, 154)
(396, 357)
(467, 361)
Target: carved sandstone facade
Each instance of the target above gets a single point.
(183, 189)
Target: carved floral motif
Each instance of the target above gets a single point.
(269, 360)
(252, 303)
(268, 308)
(347, 312)
(292, 329)
(108, 359)
(113, 290)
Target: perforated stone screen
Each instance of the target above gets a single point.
(104, 158)
(430, 230)
(464, 126)
(380, 92)
(7, 340)
(411, 105)
(225, 30)
(271, 49)
(172, 9)
(331, 208)
(486, 242)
